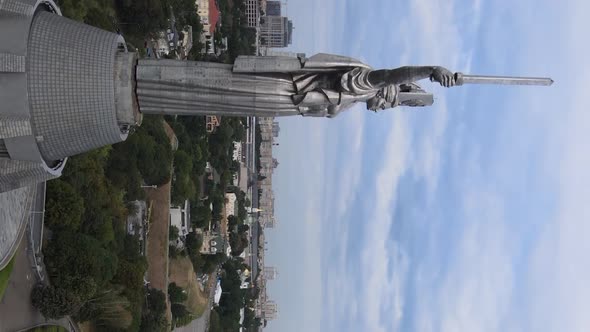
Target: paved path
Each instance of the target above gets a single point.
(16, 311)
(13, 207)
(37, 217)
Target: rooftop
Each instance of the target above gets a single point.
(214, 15)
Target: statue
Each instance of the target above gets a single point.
(320, 86)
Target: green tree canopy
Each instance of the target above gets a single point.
(176, 293)
(73, 256)
(54, 303)
(154, 312)
(64, 207)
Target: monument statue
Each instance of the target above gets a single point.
(67, 88)
(320, 86)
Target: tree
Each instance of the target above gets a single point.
(53, 303)
(109, 308)
(233, 221)
(243, 229)
(64, 208)
(251, 323)
(200, 215)
(71, 256)
(176, 294)
(215, 322)
(178, 311)
(238, 243)
(173, 233)
(233, 297)
(154, 312)
(130, 272)
(212, 262)
(193, 244)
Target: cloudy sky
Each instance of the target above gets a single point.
(471, 215)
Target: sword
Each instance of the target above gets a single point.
(415, 96)
(461, 79)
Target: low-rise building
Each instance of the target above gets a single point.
(212, 122)
(180, 218)
(213, 243)
(230, 204)
(209, 16)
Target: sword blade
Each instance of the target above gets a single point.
(503, 80)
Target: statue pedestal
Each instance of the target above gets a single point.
(65, 88)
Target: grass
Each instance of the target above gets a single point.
(182, 273)
(5, 276)
(157, 239)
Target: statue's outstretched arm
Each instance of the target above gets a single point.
(410, 74)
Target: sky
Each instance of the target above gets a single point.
(471, 215)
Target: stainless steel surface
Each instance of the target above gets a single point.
(461, 79)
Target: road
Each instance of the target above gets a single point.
(37, 216)
(253, 192)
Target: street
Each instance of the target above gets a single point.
(253, 194)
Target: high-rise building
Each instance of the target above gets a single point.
(275, 129)
(275, 31)
(270, 310)
(252, 13)
(273, 8)
(274, 52)
(270, 273)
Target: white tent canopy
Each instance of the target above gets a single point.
(218, 292)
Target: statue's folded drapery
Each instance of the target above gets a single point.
(322, 85)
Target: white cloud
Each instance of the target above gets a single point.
(344, 179)
(559, 268)
(475, 291)
(484, 287)
(380, 289)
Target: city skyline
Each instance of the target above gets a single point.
(449, 218)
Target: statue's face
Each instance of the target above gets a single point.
(378, 103)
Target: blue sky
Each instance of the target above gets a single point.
(471, 215)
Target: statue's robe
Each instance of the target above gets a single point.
(322, 85)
